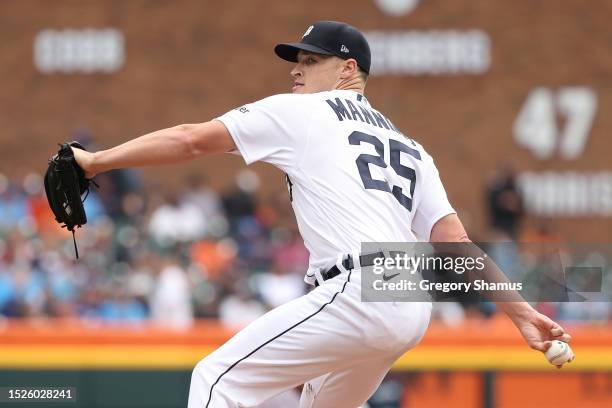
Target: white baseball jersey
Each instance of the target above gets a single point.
(352, 176)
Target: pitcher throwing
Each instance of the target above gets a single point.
(353, 177)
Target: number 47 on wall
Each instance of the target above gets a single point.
(536, 127)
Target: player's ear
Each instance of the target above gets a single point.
(349, 68)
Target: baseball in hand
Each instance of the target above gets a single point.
(559, 353)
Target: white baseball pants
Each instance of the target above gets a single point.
(337, 346)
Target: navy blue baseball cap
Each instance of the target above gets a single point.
(330, 38)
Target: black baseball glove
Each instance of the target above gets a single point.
(65, 183)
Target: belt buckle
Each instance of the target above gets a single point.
(348, 262)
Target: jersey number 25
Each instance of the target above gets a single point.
(396, 148)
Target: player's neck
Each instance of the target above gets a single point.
(351, 84)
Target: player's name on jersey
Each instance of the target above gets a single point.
(348, 110)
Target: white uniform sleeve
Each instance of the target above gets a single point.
(274, 129)
(434, 202)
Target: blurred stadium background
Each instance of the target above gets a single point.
(510, 98)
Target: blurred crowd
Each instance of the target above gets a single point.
(167, 255)
(171, 255)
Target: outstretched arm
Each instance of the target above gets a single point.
(166, 146)
(537, 329)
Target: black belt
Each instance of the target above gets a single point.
(347, 263)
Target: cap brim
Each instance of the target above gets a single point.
(289, 51)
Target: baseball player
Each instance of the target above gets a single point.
(353, 177)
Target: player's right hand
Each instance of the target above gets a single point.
(539, 331)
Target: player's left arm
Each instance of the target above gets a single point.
(166, 146)
(537, 329)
